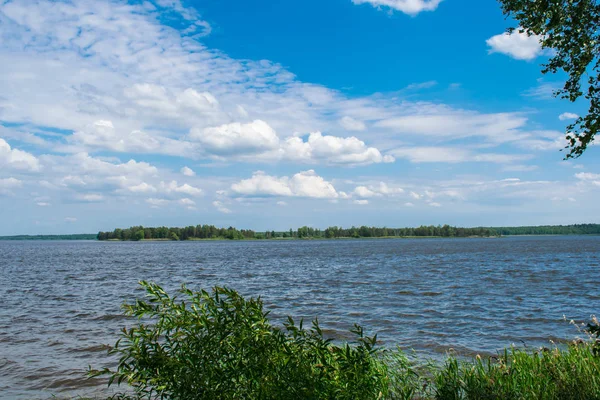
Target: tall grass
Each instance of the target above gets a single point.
(219, 345)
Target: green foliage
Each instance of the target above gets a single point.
(139, 235)
(580, 229)
(554, 374)
(221, 346)
(571, 28)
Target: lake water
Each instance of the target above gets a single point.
(60, 301)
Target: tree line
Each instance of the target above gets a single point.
(191, 232)
(580, 229)
(136, 233)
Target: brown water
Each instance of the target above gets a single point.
(59, 301)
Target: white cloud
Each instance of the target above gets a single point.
(516, 44)
(199, 102)
(282, 203)
(588, 177)
(333, 150)
(363, 191)
(567, 115)
(187, 171)
(174, 187)
(70, 219)
(142, 188)
(410, 7)
(221, 207)
(302, 184)
(434, 204)
(237, 138)
(352, 124)
(409, 204)
(361, 202)
(156, 203)
(421, 85)
(43, 204)
(16, 159)
(378, 190)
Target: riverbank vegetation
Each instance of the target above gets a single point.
(191, 232)
(219, 345)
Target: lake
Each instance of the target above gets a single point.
(60, 301)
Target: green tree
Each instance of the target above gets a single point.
(139, 235)
(571, 29)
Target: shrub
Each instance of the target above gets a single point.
(573, 373)
(221, 346)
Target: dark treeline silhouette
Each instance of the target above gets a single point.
(305, 232)
(212, 232)
(581, 229)
(190, 232)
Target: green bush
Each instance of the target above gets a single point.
(547, 374)
(221, 346)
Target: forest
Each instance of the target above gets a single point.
(199, 232)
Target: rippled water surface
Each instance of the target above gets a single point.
(60, 301)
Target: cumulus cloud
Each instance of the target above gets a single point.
(302, 184)
(333, 150)
(142, 188)
(16, 159)
(516, 45)
(378, 190)
(588, 178)
(187, 203)
(257, 141)
(410, 7)
(187, 171)
(174, 187)
(361, 202)
(237, 138)
(567, 116)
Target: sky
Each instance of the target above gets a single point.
(271, 115)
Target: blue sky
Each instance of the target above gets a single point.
(271, 115)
